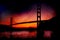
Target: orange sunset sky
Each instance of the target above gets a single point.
(31, 15)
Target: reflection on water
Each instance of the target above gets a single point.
(5, 34)
(47, 34)
(19, 34)
(24, 34)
